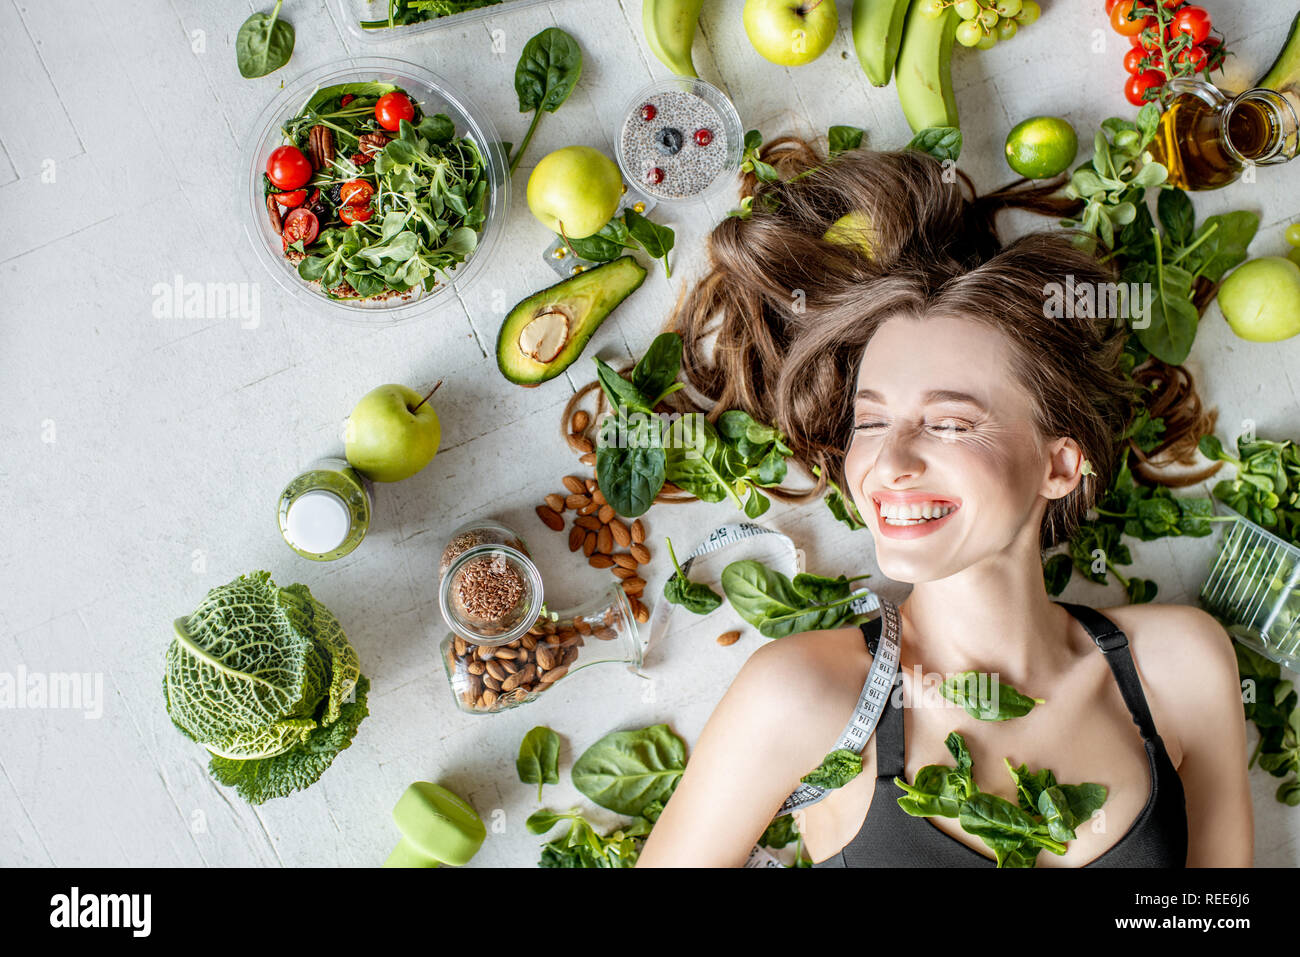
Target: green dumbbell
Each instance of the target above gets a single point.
(437, 828)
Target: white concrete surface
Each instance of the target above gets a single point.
(142, 456)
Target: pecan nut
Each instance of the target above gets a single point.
(372, 143)
(273, 208)
(320, 144)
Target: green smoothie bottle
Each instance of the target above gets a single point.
(325, 511)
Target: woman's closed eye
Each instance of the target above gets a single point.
(940, 426)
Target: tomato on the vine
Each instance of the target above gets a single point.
(1109, 4)
(300, 224)
(355, 192)
(1137, 86)
(392, 108)
(1121, 22)
(1193, 57)
(355, 214)
(1133, 59)
(288, 167)
(1192, 21)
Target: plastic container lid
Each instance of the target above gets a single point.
(318, 522)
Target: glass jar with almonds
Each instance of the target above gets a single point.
(489, 678)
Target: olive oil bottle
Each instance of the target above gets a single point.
(1207, 140)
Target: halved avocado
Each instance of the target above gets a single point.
(545, 333)
(1285, 71)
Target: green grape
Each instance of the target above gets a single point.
(1007, 8)
(1029, 11)
(969, 33)
(967, 9)
(1006, 29)
(988, 19)
(932, 9)
(1293, 234)
(988, 41)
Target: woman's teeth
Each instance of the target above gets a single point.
(915, 513)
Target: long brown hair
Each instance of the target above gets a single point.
(778, 323)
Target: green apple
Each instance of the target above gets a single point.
(575, 191)
(790, 32)
(392, 433)
(1261, 299)
(851, 229)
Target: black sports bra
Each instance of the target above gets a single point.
(890, 837)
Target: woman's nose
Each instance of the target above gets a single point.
(899, 460)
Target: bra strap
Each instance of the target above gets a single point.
(890, 744)
(1114, 646)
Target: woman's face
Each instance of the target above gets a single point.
(946, 464)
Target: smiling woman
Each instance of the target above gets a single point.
(973, 427)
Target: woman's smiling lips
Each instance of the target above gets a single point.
(911, 514)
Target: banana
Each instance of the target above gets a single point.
(669, 31)
(923, 73)
(877, 33)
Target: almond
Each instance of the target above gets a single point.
(554, 675)
(583, 444)
(588, 508)
(505, 651)
(589, 544)
(477, 667)
(638, 532)
(570, 656)
(496, 671)
(576, 535)
(590, 522)
(633, 586)
(489, 698)
(605, 541)
(639, 611)
(588, 459)
(605, 633)
(624, 560)
(574, 484)
(600, 561)
(620, 533)
(598, 496)
(492, 683)
(550, 518)
(606, 513)
(590, 485)
(621, 572)
(545, 658)
(583, 626)
(640, 553)
(529, 641)
(577, 501)
(580, 421)
(555, 502)
(461, 646)
(728, 637)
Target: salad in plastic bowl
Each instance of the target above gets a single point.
(375, 187)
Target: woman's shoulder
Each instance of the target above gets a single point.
(1162, 632)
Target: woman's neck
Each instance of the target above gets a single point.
(995, 616)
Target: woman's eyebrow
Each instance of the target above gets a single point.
(932, 397)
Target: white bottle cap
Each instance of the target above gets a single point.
(318, 522)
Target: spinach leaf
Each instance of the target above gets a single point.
(750, 163)
(695, 597)
(941, 142)
(656, 372)
(627, 770)
(985, 698)
(547, 72)
(1056, 573)
(263, 44)
(605, 244)
(656, 240)
(630, 477)
(623, 396)
(1228, 235)
(539, 757)
(841, 139)
(1176, 215)
(836, 770)
(780, 832)
(770, 602)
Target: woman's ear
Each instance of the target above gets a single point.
(1065, 468)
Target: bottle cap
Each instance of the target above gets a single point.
(437, 826)
(318, 522)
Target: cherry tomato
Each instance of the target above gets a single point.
(355, 192)
(1133, 59)
(392, 108)
(1109, 5)
(347, 98)
(1119, 19)
(1192, 21)
(292, 199)
(1192, 56)
(300, 224)
(1138, 85)
(288, 167)
(355, 214)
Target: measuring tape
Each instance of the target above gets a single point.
(788, 560)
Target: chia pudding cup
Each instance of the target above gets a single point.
(491, 594)
(680, 141)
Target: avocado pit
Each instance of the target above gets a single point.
(543, 338)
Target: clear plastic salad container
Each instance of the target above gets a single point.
(354, 12)
(1254, 589)
(433, 95)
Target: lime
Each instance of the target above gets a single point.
(1041, 147)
